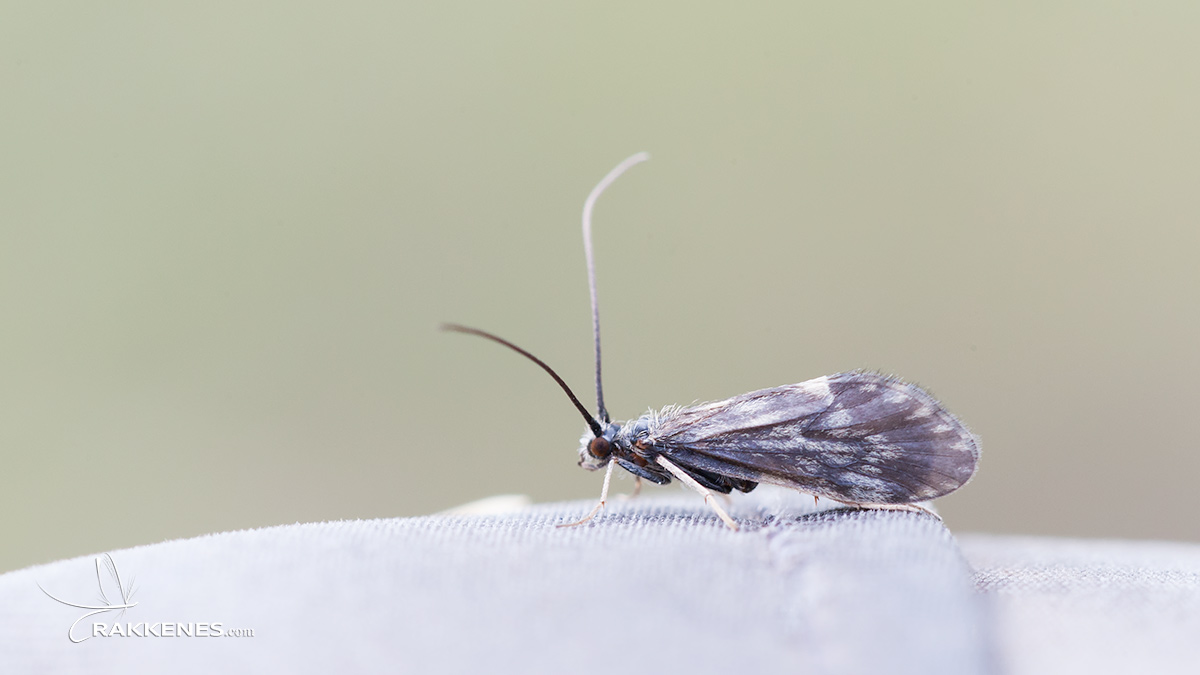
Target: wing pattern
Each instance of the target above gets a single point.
(858, 437)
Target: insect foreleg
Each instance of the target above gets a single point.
(603, 498)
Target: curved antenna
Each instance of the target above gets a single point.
(591, 421)
(588, 206)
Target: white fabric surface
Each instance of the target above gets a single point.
(656, 584)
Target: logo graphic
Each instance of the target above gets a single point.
(116, 596)
(105, 604)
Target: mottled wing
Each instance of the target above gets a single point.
(856, 437)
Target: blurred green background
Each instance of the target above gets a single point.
(228, 233)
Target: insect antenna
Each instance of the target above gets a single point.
(591, 421)
(588, 206)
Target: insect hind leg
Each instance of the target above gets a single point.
(709, 496)
(912, 508)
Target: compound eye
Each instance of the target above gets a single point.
(600, 448)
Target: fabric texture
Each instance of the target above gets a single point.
(654, 584)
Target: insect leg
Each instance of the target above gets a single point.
(687, 480)
(637, 489)
(603, 498)
(913, 508)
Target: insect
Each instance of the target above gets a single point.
(859, 438)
